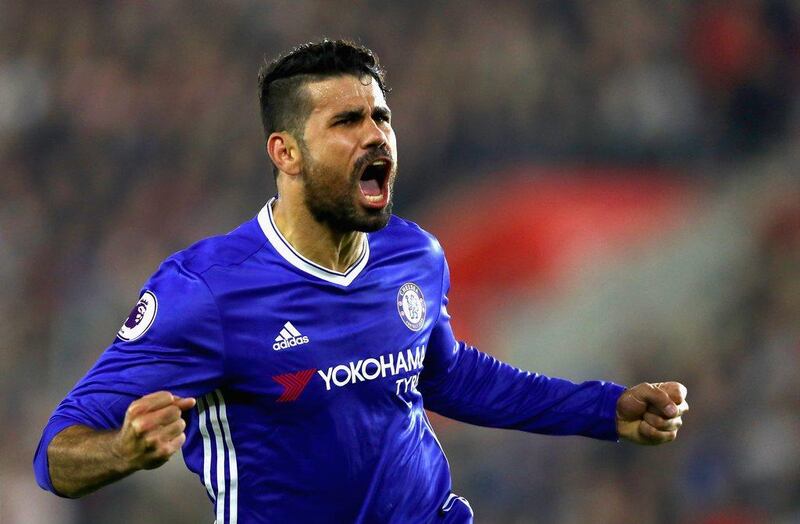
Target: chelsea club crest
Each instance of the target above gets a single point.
(411, 306)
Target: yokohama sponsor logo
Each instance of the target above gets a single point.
(373, 368)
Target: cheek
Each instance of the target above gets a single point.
(335, 152)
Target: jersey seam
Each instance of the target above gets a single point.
(441, 290)
(225, 266)
(200, 276)
(221, 322)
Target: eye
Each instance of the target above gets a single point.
(382, 117)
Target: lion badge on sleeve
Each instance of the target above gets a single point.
(140, 319)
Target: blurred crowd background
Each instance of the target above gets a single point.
(615, 184)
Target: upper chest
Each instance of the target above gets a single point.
(282, 322)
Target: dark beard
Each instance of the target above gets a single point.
(331, 202)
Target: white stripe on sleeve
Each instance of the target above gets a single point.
(232, 465)
(201, 415)
(220, 448)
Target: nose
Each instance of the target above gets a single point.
(374, 135)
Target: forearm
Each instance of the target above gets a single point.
(479, 389)
(82, 460)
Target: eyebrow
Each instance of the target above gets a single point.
(350, 114)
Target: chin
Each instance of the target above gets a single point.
(375, 220)
(344, 215)
(373, 225)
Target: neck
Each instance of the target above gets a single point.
(317, 242)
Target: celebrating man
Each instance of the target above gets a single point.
(293, 358)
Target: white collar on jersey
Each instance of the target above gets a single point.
(285, 249)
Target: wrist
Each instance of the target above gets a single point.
(611, 409)
(123, 462)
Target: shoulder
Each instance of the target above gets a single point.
(405, 234)
(178, 296)
(227, 250)
(183, 273)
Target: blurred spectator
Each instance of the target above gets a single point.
(746, 56)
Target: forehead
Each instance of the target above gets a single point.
(344, 92)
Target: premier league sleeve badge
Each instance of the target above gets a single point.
(141, 317)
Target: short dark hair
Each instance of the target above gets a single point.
(283, 101)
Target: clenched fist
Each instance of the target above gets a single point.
(152, 431)
(651, 414)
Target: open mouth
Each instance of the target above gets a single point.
(374, 183)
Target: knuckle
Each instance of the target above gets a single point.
(133, 409)
(173, 430)
(169, 449)
(162, 395)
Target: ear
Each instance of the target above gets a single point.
(284, 151)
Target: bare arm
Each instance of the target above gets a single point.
(82, 460)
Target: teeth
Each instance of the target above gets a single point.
(379, 163)
(374, 198)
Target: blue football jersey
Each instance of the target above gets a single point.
(312, 385)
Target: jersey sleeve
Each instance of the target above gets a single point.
(172, 340)
(463, 383)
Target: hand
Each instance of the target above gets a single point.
(650, 414)
(152, 431)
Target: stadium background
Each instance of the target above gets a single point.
(615, 184)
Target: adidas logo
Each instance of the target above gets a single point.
(289, 337)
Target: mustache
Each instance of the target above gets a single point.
(371, 156)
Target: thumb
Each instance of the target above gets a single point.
(184, 403)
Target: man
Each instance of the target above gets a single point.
(293, 358)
